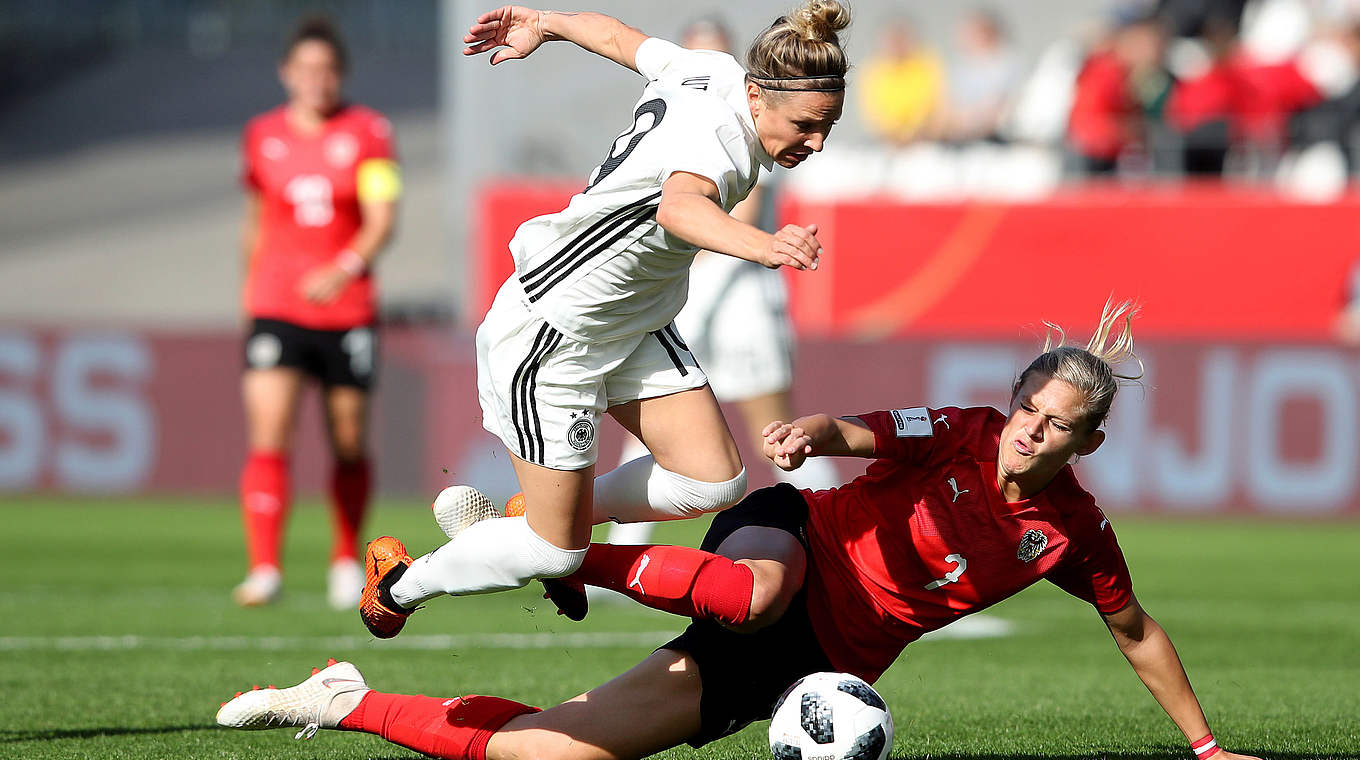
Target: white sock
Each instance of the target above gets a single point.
(817, 474)
(491, 555)
(642, 491)
(631, 534)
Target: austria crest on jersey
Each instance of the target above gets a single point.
(1032, 544)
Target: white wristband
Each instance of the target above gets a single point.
(351, 263)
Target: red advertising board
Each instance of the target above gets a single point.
(1206, 262)
(1262, 427)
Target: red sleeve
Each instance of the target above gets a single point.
(1094, 569)
(250, 147)
(378, 141)
(905, 434)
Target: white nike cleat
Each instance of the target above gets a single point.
(261, 586)
(345, 584)
(457, 507)
(322, 701)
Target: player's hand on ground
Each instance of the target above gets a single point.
(514, 28)
(323, 284)
(792, 246)
(786, 445)
(1226, 755)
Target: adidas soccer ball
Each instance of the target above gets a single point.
(831, 716)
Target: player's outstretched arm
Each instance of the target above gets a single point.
(518, 31)
(689, 210)
(789, 444)
(1154, 659)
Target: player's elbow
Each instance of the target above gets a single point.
(668, 214)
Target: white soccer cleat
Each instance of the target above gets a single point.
(261, 586)
(322, 701)
(345, 584)
(457, 507)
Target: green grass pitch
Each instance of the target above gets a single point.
(119, 641)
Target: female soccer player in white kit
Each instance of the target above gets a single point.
(584, 325)
(736, 323)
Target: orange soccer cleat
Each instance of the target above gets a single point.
(384, 563)
(515, 507)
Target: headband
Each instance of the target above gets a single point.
(837, 86)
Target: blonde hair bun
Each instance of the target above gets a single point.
(820, 20)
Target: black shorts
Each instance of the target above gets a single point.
(334, 357)
(744, 674)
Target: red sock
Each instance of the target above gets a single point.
(264, 505)
(350, 488)
(453, 729)
(675, 579)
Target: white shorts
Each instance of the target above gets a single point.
(737, 323)
(542, 392)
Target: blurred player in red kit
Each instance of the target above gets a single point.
(960, 509)
(321, 185)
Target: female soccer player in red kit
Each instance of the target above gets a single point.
(960, 509)
(321, 186)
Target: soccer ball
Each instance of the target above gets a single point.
(831, 716)
(457, 507)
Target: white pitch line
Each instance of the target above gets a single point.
(975, 627)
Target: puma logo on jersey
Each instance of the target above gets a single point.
(954, 484)
(637, 578)
(943, 419)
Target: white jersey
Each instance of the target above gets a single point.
(602, 268)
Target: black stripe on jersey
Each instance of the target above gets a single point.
(533, 399)
(517, 391)
(581, 257)
(584, 239)
(663, 338)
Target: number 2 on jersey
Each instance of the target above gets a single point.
(953, 575)
(657, 109)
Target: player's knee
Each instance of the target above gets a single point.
(692, 498)
(773, 586)
(768, 604)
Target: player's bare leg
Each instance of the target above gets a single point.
(270, 398)
(685, 432)
(694, 469)
(350, 488)
(558, 503)
(652, 707)
(778, 565)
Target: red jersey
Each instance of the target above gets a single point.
(308, 188)
(924, 537)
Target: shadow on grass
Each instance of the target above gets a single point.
(53, 734)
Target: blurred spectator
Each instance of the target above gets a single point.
(1194, 18)
(1122, 88)
(1332, 62)
(1245, 92)
(901, 88)
(982, 76)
